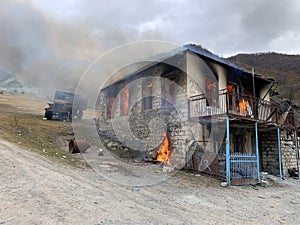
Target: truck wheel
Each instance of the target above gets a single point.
(48, 115)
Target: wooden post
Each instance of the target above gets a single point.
(254, 95)
(227, 151)
(257, 152)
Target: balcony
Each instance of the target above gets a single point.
(240, 106)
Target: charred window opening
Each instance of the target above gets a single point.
(232, 92)
(124, 104)
(110, 99)
(147, 95)
(243, 140)
(110, 102)
(168, 92)
(212, 92)
(239, 143)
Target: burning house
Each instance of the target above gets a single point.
(194, 109)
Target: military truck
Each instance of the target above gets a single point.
(62, 107)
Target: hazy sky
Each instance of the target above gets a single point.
(41, 33)
(224, 26)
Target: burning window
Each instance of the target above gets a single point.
(245, 108)
(239, 102)
(147, 95)
(124, 104)
(212, 92)
(232, 92)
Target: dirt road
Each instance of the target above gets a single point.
(36, 191)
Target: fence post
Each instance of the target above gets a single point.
(279, 152)
(257, 152)
(297, 152)
(227, 151)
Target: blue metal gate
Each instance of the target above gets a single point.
(243, 166)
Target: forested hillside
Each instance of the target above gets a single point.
(285, 69)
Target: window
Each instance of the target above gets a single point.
(212, 95)
(232, 93)
(110, 103)
(239, 143)
(147, 95)
(124, 104)
(168, 92)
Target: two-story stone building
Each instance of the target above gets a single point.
(191, 108)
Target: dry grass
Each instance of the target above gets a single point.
(21, 122)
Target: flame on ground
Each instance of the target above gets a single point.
(164, 152)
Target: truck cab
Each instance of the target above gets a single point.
(62, 107)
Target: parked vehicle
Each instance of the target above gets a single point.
(62, 107)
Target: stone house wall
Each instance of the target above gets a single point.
(142, 130)
(268, 146)
(288, 152)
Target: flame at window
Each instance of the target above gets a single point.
(125, 101)
(110, 103)
(211, 89)
(243, 106)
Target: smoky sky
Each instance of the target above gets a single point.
(52, 41)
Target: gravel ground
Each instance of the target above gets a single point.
(34, 190)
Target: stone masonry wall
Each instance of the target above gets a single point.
(143, 129)
(269, 152)
(288, 153)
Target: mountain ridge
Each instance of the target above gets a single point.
(283, 68)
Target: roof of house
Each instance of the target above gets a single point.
(213, 57)
(192, 48)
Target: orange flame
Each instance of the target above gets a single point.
(125, 101)
(164, 152)
(243, 106)
(210, 84)
(110, 111)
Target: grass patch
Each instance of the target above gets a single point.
(31, 132)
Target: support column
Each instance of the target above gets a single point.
(257, 152)
(227, 151)
(279, 152)
(297, 152)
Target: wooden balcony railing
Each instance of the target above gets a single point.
(242, 106)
